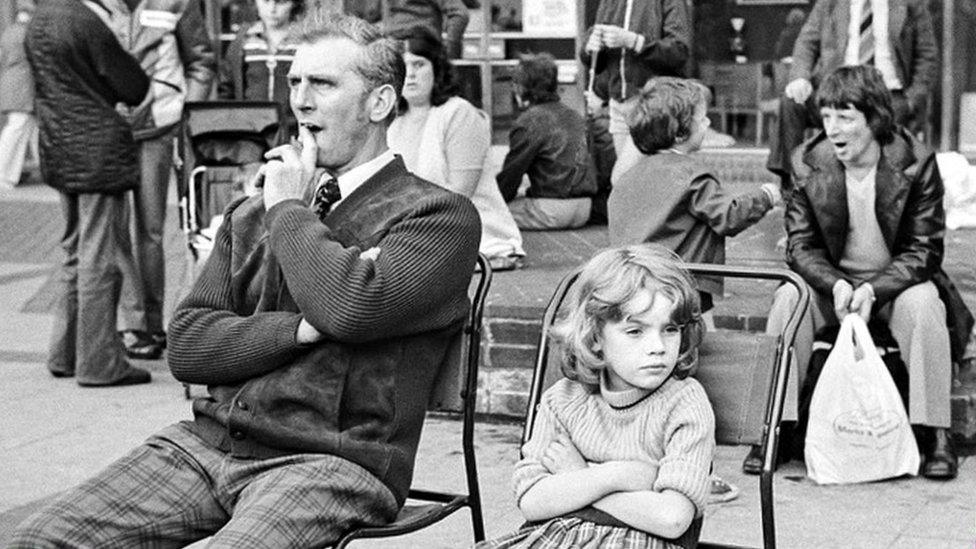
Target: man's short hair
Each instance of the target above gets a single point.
(536, 77)
(665, 112)
(382, 61)
(862, 88)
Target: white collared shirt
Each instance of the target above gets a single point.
(883, 58)
(354, 178)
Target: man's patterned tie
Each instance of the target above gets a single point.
(866, 51)
(325, 196)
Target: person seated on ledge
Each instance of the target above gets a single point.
(547, 144)
(865, 227)
(445, 139)
(669, 197)
(318, 324)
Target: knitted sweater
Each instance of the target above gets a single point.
(384, 279)
(673, 427)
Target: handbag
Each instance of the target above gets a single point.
(858, 429)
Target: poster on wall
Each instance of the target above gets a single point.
(549, 17)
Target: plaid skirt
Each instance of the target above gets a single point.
(572, 532)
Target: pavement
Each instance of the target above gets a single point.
(54, 434)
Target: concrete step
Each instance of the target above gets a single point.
(518, 298)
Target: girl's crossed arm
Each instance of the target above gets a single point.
(572, 484)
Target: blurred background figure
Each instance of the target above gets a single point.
(447, 18)
(257, 61)
(783, 49)
(19, 135)
(445, 139)
(169, 39)
(548, 146)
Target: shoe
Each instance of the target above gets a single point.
(141, 345)
(135, 376)
(60, 374)
(720, 491)
(940, 462)
(753, 463)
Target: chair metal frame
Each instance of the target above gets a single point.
(439, 505)
(777, 378)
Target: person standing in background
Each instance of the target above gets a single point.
(169, 40)
(634, 40)
(444, 18)
(893, 36)
(89, 156)
(19, 135)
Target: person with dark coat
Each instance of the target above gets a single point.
(894, 36)
(865, 227)
(548, 145)
(88, 154)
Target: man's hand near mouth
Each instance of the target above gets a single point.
(289, 168)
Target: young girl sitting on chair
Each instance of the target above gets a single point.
(621, 447)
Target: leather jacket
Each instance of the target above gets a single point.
(910, 213)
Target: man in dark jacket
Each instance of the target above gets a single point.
(88, 155)
(548, 144)
(894, 36)
(865, 226)
(319, 323)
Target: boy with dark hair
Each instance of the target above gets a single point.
(548, 145)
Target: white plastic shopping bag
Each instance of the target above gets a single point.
(858, 430)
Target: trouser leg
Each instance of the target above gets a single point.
(818, 314)
(917, 322)
(301, 501)
(144, 294)
(541, 214)
(14, 139)
(159, 495)
(61, 352)
(101, 236)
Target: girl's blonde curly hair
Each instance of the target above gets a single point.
(606, 284)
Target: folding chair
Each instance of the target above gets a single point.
(743, 373)
(455, 393)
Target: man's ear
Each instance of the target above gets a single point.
(382, 101)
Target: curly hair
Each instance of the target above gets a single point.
(863, 88)
(665, 112)
(537, 78)
(419, 40)
(606, 284)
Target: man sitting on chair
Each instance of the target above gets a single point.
(318, 323)
(865, 225)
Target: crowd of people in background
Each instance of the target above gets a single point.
(355, 234)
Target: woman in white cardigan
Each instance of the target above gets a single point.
(446, 140)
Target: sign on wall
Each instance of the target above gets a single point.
(549, 17)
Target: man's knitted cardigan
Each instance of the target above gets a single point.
(385, 280)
